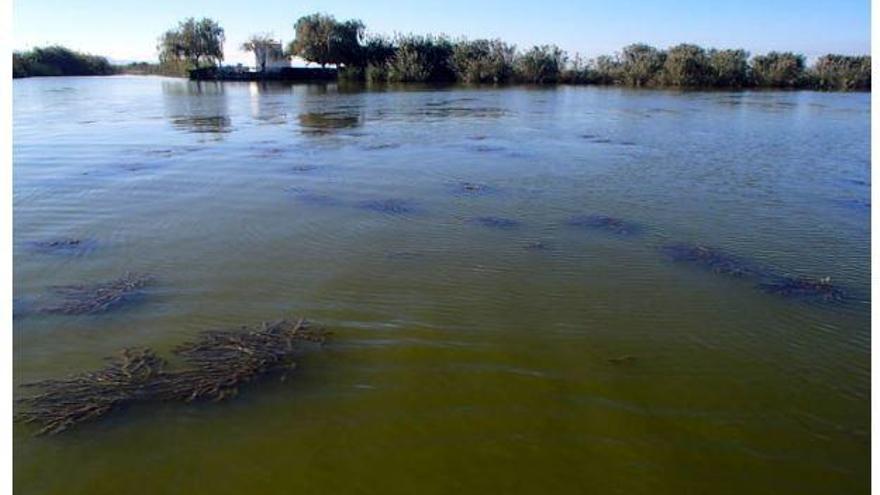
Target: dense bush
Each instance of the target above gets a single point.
(640, 65)
(686, 65)
(483, 61)
(729, 68)
(58, 61)
(840, 72)
(541, 64)
(421, 59)
(778, 70)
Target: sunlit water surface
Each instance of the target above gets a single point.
(464, 358)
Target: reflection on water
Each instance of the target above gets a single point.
(197, 106)
(530, 290)
(325, 123)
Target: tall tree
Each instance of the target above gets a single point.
(321, 39)
(196, 43)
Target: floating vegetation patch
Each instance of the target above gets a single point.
(391, 206)
(97, 298)
(496, 222)
(215, 366)
(820, 289)
(604, 223)
(712, 258)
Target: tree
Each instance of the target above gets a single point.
(321, 39)
(194, 43)
(541, 64)
(686, 65)
(778, 70)
(263, 46)
(729, 68)
(640, 64)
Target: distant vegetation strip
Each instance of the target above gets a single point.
(321, 39)
(58, 61)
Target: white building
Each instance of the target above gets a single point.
(272, 55)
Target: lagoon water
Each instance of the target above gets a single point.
(480, 343)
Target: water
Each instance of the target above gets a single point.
(481, 343)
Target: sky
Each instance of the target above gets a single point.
(126, 30)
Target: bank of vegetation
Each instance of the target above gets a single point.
(361, 56)
(426, 58)
(58, 61)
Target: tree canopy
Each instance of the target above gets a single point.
(195, 43)
(321, 39)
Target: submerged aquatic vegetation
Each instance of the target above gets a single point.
(769, 280)
(391, 206)
(715, 259)
(804, 287)
(496, 222)
(601, 222)
(217, 364)
(627, 359)
(472, 188)
(537, 246)
(64, 245)
(97, 298)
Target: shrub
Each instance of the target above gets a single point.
(778, 70)
(482, 61)
(729, 68)
(841, 72)
(640, 64)
(421, 59)
(686, 65)
(541, 64)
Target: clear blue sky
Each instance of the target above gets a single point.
(127, 30)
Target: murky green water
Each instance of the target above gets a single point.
(464, 359)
